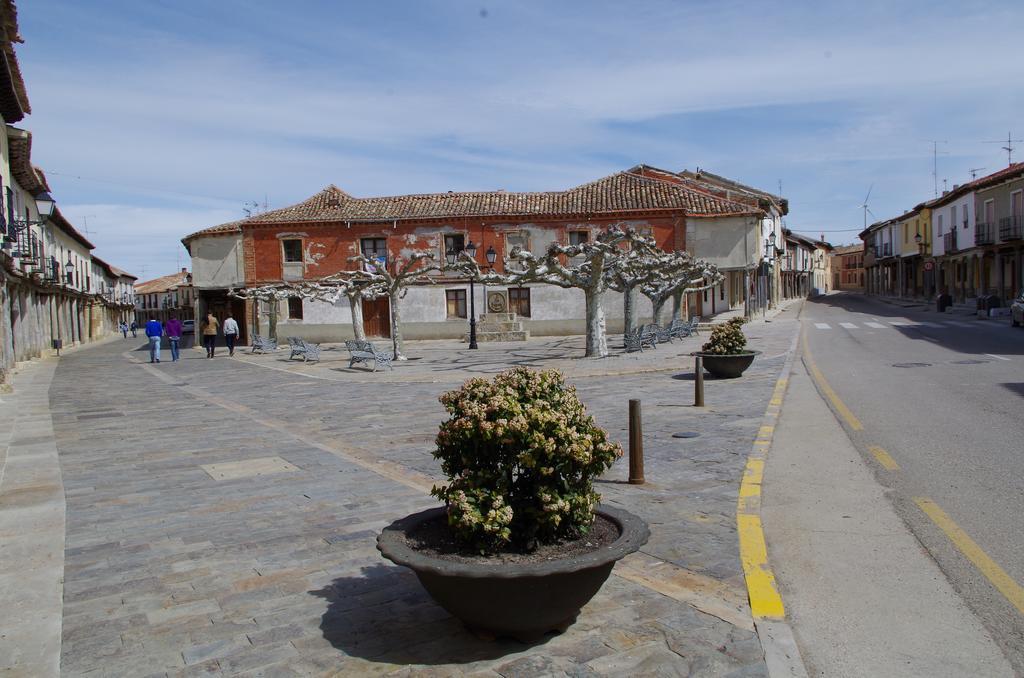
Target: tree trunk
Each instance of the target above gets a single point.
(597, 340)
(396, 327)
(658, 303)
(629, 309)
(677, 305)
(355, 301)
(272, 320)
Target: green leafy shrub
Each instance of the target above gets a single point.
(727, 338)
(520, 454)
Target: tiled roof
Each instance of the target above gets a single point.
(122, 273)
(732, 186)
(618, 193)
(164, 284)
(1014, 170)
(13, 97)
(849, 249)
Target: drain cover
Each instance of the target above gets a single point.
(686, 434)
(911, 364)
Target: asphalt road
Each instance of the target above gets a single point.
(943, 396)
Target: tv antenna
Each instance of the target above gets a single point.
(935, 162)
(974, 172)
(1010, 141)
(864, 206)
(251, 207)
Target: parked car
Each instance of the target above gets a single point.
(1017, 310)
(188, 326)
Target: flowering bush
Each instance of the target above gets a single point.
(520, 454)
(727, 338)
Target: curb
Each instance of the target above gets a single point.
(781, 654)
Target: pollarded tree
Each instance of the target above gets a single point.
(679, 274)
(590, 275)
(394, 284)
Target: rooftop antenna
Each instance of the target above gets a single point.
(85, 225)
(974, 172)
(865, 207)
(935, 162)
(1010, 141)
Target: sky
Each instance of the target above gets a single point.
(155, 119)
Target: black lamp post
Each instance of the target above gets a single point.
(451, 255)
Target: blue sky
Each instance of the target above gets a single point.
(156, 119)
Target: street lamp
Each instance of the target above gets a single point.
(70, 269)
(45, 206)
(451, 255)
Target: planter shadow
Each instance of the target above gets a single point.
(385, 615)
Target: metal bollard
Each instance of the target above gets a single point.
(636, 445)
(698, 381)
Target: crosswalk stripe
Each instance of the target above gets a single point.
(877, 326)
(823, 326)
(900, 323)
(849, 326)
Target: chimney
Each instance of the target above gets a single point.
(184, 269)
(956, 186)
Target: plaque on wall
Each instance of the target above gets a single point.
(497, 302)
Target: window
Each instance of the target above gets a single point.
(519, 301)
(578, 237)
(721, 292)
(454, 242)
(939, 224)
(513, 240)
(294, 308)
(456, 300)
(292, 251)
(375, 248)
(990, 211)
(952, 219)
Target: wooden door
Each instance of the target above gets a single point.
(377, 317)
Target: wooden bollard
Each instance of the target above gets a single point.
(636, 444)
(698, 381)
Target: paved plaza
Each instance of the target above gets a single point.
(221, 515)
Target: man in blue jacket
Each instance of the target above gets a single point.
(154, 330)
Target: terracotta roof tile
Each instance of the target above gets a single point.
(621, 192)
(162, 284)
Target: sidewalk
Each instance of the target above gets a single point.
(221, 517)
(863, 598)
(31, 527)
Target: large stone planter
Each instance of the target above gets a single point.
(727, 366)
(523, 601)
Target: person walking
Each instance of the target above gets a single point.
(155, 331)
(174, 336)
(230, 333)
(123, 326)
(135, 326)
(210, 334)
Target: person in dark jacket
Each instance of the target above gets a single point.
(173, 328)
(155, 331)
(135, 327)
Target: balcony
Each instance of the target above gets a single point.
(984, 234)
(949, 242)
(1010, 228)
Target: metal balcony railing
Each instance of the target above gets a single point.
(1010, 228)
(984, 234)
(949, 242)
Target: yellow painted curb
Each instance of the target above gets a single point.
(765, 600)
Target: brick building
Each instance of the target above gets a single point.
(848, 268)
(316, 237)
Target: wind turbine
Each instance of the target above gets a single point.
(864, 206)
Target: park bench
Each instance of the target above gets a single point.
(662, 334)
(262, 344)
(682, 328)
(363, 351)
(638, 338)
(308, 351)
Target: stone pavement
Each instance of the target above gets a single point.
(222, 516)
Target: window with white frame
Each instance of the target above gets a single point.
(292, 251)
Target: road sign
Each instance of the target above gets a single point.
(929, 265)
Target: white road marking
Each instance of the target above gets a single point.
(901, 323)
(925, 323)
(992, 355)
(849, 326)
(823, 326)
(877, 326)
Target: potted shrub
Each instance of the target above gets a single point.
(725, 354)
(521, 543)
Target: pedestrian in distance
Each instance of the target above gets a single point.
(135, 327)
(210, 334)
(230, 333)
(123, 326)
(155, 332)
(174, 336)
